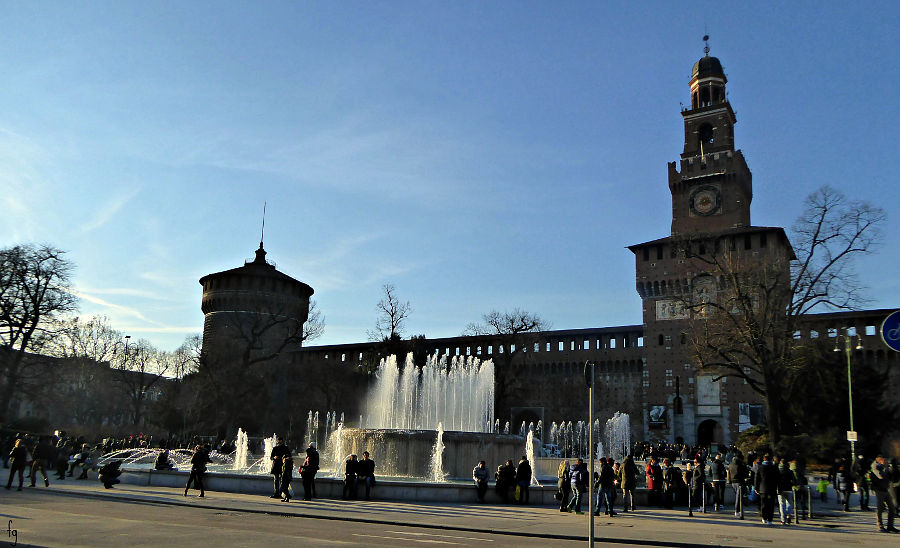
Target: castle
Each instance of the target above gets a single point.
(646, 370)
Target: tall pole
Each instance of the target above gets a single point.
(850, 395)
(589, 378)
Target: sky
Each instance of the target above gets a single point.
(477, 155)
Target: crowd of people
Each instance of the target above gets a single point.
(674, 475)
(771, 482)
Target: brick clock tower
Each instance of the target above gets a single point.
(711, 195)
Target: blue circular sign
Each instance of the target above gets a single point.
(890, 330)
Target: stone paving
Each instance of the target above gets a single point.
(647, 526)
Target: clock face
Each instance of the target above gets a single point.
(705, 200)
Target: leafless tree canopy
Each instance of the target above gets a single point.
(507, 323)
(34, 291)
(392, 312)
(745, 328)
(315, 323)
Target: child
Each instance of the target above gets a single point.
(822, 487)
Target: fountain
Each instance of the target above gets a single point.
(618, 435)
(242, 450)
(407, 410)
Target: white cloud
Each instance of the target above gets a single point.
(106, 212)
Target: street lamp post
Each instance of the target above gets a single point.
(847, 338)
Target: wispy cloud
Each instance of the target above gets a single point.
(128, 292)
(113, 307)
(107, 211)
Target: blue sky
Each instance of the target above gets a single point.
(477, 155)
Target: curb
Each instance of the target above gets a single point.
(505, 532)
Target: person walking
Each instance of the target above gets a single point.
(799, 486)
(881, 484)
(563, 485)
(578, 475)
(18, 458)
(766, 484)
(287, 473)
(366, 474)
(627, 480)
(198, 467)
(480, 476)
(40, 460)
(737, 475)
(607, 485)
(523, 479)
(277, 457)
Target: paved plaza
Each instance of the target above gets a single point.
(83, 513)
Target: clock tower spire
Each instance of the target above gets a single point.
(713, 189)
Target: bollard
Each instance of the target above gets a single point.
(703, 494)
(796, 509)
(808, 504)
(690, 503)
(740, 500)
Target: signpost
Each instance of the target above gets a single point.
(890, 331)
(589, 381)
(851, 435)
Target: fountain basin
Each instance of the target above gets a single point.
(407, 453)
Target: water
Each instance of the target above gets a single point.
(458, 395)
(618, 435)
(530, 455)
(242, 451)
(437, 458)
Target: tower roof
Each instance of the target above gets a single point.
(708, 67)
(259, 268)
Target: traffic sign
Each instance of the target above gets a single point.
(851, 435)
(890, 331)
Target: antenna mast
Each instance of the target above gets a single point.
(263, 232)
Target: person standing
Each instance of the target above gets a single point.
(480, 476)
(718, 474)
(578, 475)
(308, 472)
(607, 485)
(654, 481)
(523, 479)
(627, 481)
(671, 482)
(860, 470)
(799, 484)
(785, 488)
(350, 470)
(277, 457)
(698, 481)
(881, 484)
(18, 458)
(563, 485)
(287, 473)
(766, 484)
(366, 474)
(198, 468)
(737, 475)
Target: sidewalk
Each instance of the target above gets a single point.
(653, 527)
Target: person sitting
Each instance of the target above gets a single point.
(163, 462)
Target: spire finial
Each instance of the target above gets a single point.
(706, 41)
(262, 234)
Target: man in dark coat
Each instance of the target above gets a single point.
(308, 472)
(578, 476)
(366, 474)
(277, 457)
(881, 484)
(350, 470)
(737, 475)
(860, 470)
(523, 479)
(698, 481)
(766, 484)
(843, 482)
(718, 472)
(606, 483)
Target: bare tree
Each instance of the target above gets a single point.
(34, 291)
(140, 367)
(513, 331)
(745, 310)
(314, 327)
(392, 312)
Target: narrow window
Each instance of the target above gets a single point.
(612, 343)
(747, 244)
(646, 253)
(562, 346)
(661, 339)
(659, 252)
(763, 239)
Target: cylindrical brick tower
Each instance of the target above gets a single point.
(253, 309)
